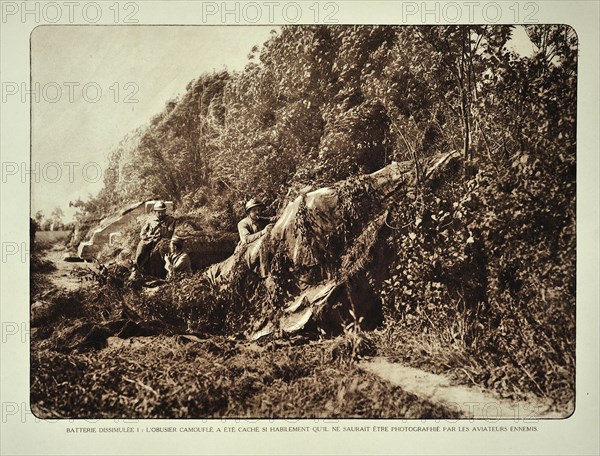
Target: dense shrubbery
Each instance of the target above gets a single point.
(492, 273)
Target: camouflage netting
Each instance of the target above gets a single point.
(314, 270)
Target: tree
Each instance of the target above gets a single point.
(39, 217)
(56, 219)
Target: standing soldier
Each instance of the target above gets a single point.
(159, 227)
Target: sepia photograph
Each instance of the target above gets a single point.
(303, 221)
(290, 228)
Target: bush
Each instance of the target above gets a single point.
(487, 264)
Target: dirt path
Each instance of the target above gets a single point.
(67, 275)
(473, 402)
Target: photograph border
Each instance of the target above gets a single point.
(574, 435)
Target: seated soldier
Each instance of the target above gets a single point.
(177, 262)
(158, 228)
(254, 226)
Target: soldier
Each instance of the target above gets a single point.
(159, 227)
(251, 229)
(177, 262)
(254, 226)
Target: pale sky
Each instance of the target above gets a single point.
(520, 42)
(150, 64)
(85, 74)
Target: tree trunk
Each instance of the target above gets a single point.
(464, 99)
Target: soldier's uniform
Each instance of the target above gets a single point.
(150, 246)
(250, 231)
(177, 264)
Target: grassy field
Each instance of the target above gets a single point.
(181, 377)
(51, 237)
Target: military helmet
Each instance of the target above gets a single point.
(160, 206)
(254, 203)
(177, 240)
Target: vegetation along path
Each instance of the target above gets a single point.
(472, 402)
